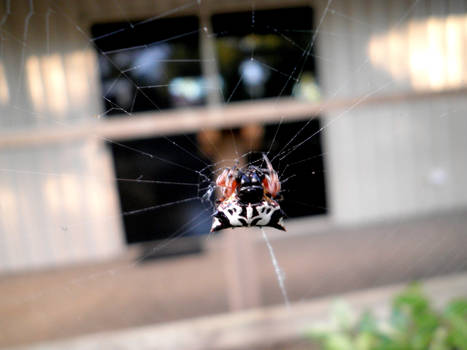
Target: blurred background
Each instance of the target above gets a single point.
(116, 117)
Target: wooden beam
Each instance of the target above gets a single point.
(190, 120)
(256, 328)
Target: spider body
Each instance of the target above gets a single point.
(250, 185)
(248, 198)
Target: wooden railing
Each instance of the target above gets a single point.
(182, 121)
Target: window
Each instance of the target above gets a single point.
(153, 66)
(260, 55)
(265, 51)
(189, 217)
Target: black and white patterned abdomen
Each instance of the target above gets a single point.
(234, 213)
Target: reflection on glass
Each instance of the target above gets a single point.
(187, 91)
(140, 65)
(307, 88)
(254, 77)
(266, 53)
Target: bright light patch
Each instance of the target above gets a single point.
(35, 84)
(55, 84)
(77, 65)
(427, 53)
(4, 92)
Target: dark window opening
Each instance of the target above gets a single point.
(263, 53)
(150, 66)
(164, 216)
(301, 171)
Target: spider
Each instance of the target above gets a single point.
(248, 198)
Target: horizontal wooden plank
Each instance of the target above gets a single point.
(258, 327)
(182, 121)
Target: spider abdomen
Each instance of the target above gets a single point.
(234, 213)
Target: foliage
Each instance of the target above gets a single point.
(413, 325)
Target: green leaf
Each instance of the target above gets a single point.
(339, 341)
(414, 325)
(456, 320)
(367, 323)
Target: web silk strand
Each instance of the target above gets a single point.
(279, 273)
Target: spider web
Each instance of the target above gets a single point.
(197, 175)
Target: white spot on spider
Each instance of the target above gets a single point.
(215, 224)
(249, 212)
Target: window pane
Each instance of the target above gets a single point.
(154, 65)
(173, 168)
(262, 53)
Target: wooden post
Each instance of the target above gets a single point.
(242, 281)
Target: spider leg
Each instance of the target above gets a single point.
(226, 180)
(271, 181)
(221, 179)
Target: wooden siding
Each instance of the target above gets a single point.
(58, 203)
(400, 158)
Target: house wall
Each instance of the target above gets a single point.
(406, 157)
(58, 202)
